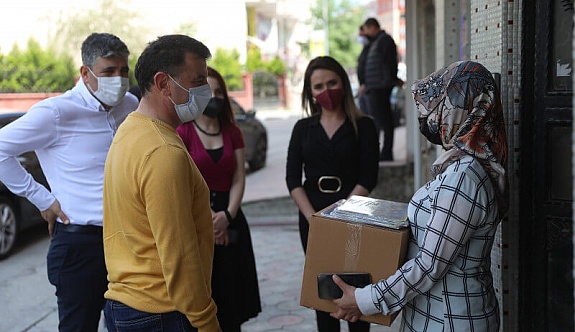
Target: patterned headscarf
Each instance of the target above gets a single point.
(462, 102)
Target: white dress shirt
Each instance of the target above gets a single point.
(71, 134)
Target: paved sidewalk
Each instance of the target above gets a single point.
(280, 260)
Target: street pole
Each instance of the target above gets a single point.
(325, 27)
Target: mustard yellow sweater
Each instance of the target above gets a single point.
(158, 231)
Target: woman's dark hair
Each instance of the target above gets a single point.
(166, 54)
(307, 100)
(227, 115)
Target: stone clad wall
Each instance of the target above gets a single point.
(395, 183)
(496, 38)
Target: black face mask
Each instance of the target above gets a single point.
(214, 107)
(434, 137)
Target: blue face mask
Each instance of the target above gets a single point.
(198, 99)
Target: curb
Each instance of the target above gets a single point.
(271, 212)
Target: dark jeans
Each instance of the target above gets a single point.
(380, 109)
(76, 267)
(120, 318)
(364, 104)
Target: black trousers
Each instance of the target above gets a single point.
(77, 269)
(380, 109)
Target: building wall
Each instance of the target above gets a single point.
(446, 33)
(573, 161)
(495, 33)
(491, 37)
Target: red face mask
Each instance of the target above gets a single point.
(330, 99)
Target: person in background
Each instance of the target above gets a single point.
(71, 134)
(380, 78)
(446, 284)
(216, 145)
(362, 97)
(158, 230)
(336, 148)
(135, 90)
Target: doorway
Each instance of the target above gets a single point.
(546, 248)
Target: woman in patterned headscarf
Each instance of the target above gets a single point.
(446, 284)
(461, 105)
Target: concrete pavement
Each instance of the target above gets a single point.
(280, 260)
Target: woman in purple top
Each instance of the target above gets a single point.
(216, 145)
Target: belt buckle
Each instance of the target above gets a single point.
(329, 177)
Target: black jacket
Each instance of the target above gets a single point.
(361, 64)
(381, 63)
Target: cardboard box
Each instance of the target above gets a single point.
(340, 246)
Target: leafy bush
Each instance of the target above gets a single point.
(343, 19)
(227, 63)
(265, 73)
(35, 70)
(276, 66)
(255, 63)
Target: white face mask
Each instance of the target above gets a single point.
(198, 99)
(111, 90)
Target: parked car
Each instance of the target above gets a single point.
(17, 213)
(255, 136)
(397, 103)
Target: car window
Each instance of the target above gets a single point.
(5, 120)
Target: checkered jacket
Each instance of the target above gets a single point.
(446, 284)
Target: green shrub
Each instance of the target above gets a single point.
(227, 63)
(254, 60)
(35, 70)
(265, 73)
(255, 63)
(276, 66)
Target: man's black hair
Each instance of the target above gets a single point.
(166, 54)
(102, 45)
(372, 22)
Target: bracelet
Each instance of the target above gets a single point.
(228, 216)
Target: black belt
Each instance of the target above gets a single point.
(72, 228)
(329, 184)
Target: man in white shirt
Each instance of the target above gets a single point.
(71, 134)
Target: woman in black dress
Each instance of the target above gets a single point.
(217, 147)
(335, 147)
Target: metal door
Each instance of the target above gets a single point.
(546, 197)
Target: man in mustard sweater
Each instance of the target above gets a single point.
(158, 231)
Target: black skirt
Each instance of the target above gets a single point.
(234, 278)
